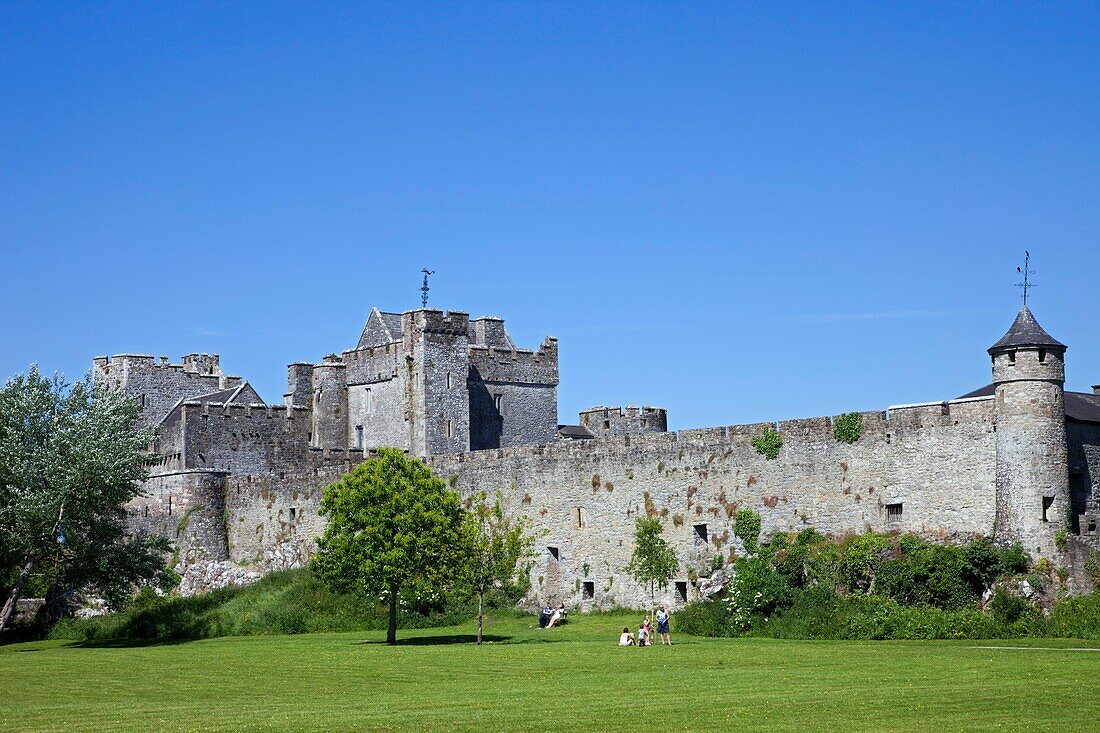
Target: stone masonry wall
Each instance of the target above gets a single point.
(936, 461)
(159, 385)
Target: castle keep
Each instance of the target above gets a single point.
(238, 481)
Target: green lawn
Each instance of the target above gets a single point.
(568, 679)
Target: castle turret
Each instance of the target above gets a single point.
(330, 404)
(1032, 465)
(601, 421)
(299, 384)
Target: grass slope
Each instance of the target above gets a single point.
(569, 679)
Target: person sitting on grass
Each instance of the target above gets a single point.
(558, 617)
(544, 616)
(626, 638)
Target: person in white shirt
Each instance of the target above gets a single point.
(626, 638)
(643, 637)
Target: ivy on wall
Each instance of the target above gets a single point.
(847, 428)
(768, 443)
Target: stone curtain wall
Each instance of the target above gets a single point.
(936, 461)
(273, 521)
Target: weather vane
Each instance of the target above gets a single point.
(1027, 272)
(424, 288)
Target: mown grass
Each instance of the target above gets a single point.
(568, 679)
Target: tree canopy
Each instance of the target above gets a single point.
(391, 524)
(71, 457)
(497, 544)
(653, 561)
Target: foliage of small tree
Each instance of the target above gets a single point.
(768, 443)
(653, 561)
(498, 550)
(71, 457)
(747, 527)
(392, 524)
(848, 427)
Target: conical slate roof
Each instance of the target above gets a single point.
(1026, 331)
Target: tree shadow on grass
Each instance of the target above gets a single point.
(439, 639)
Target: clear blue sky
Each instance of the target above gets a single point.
(740, 212)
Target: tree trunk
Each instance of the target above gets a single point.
(480, 615)
(391, 632)
(9, 607)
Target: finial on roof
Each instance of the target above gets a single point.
(424, 288)
(1027, 272)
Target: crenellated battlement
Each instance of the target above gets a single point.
(426, 320)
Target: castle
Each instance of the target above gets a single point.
(238, 481)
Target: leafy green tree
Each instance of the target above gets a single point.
(498, 550)
(654, 561)
(71, 457)
(391, 524)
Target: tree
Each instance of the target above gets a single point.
(71, 457)
(653, 561)
(496, 544)
(391, 524)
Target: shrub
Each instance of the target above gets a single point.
(848, 427)
(747, 527)
(1060, 539)
(768, 443)
(1006, 607)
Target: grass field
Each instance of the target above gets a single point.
(568, 679)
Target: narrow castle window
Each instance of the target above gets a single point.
(894, 511)
(359, 437)
(682, 590)
(1042, 356)
(607, 424)
(555, 554)
(588, 589)
(368, 401)
(1012, 358)
(169, 505)
(700, 534)
(580, 517)
(498, 403)
(450, 429)
(1048, 502)
(448, 380)
(293, 513)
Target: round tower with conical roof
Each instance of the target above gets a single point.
(1032, 467)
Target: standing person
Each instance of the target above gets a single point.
(648, 629)
(662, 626)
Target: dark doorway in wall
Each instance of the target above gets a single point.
(682, 590)
(588, 590)
(293, 513)
(1048, 502)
